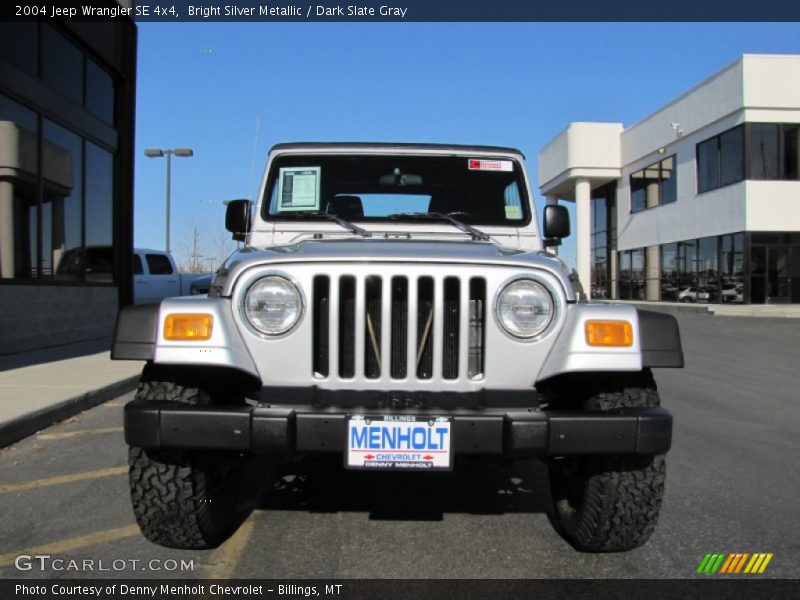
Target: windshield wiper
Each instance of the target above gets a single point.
(476, 233)
(329, 217)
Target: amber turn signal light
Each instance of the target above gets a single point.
(188, 327)
(609, 333)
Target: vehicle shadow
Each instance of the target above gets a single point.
(475, 486)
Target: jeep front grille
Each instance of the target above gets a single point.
(408, 327)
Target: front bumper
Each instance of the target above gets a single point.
(287, 430)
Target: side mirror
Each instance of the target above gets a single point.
(237, 218)
(556, 224)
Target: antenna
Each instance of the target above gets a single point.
(253, 159)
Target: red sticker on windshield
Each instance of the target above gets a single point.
(477, 164)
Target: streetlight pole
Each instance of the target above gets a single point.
(168, 152)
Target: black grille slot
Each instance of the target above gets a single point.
(372, 328)
(477, 323)
(347, 327)
(321, 323)
(399, 359)
(424, 357)
(350, 312)
(450, 330)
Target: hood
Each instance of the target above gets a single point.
(370, 250)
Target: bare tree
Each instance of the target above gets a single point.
(222, 247)
(191, 253)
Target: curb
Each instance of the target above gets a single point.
(21, 427)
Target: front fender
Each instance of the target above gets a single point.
(656, 342)
(572, 353)
(140, 335)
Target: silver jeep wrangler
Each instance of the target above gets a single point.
(395, 305)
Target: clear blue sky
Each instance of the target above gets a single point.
(206, 85)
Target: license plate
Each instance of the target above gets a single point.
(399, 442)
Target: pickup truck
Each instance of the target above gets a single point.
(156, 276)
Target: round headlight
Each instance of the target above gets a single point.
(273, 305)
(524, 308)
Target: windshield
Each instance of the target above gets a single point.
(383, 188)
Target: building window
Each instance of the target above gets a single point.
(19, 206)
(772, 151)
(19, 45)
(707, 269)
(603, 228)
(720, 160)
(62, 65)
(57, 224)
(654, 185)
(99, 196)
(62, 210)
(669, 272)
(99, 92)
(632, 273)
(731, 268)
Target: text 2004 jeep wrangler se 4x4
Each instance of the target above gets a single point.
(394, 304)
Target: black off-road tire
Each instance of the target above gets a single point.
(610, 503)
(182, 498)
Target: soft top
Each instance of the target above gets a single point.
(458, 148)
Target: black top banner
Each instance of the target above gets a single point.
(276, 11)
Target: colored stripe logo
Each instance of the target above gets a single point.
(734, 563)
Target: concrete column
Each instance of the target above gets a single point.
(583, 215)
(6, 229)
(652, 273)
(612, 260)
(58, 232)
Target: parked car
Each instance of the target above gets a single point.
(694, 294)
(156, 276)
(92, 263)
(201, 285)
(733, 292)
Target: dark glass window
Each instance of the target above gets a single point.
(687, 266)
(19, 45)
(602, 227)
(732, 268)
(651, 186)
(15, 112)
(669, 178)
(137, 265)
(158, 264)
(707, 264)
(62, 170)
(731, 156)
(654, 185)
(99, 195)
(99, 92)
(637, 191)
(62, 65)
(791, 156)
(669, 272)
(764, 151)
(632, 273)
(19, 214)
(707, 165)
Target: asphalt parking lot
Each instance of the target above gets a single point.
(732, 485)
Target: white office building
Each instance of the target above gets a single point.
(700, 201)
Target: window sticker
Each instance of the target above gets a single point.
(298, 188)
(477, 164)
(514, 212)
